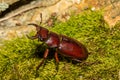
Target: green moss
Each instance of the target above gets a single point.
(18, 60)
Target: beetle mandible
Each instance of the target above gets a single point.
(67, 46)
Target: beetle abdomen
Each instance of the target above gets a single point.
(71, 48)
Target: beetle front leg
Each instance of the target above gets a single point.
(57, 60)
(32, 37)
(44, 57)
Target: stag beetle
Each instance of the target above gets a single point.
(65, 45)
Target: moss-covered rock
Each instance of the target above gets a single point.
(18, 60)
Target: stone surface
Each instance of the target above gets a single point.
(15, 26)
(9, 2)
(111, 9)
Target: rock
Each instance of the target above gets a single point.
(14, 26)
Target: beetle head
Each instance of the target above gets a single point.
(42, 33)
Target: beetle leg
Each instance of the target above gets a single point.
(57, 60)
(32, 37)
(44, 57)
(56, 57)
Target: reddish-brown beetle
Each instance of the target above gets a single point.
(63, 44)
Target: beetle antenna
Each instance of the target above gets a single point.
(37, 26)
(41, 18)
(34, 24)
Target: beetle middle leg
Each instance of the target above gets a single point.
(44, 57)
(57, 60)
